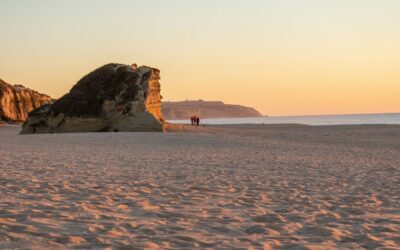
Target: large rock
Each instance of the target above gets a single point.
(114, 97)
(16, 102)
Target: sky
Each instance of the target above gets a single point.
(282, 57)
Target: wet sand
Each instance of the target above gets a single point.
(220, 187)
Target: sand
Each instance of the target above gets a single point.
(225, 187)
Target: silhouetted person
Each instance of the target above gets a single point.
(197, 121)
(192, 120)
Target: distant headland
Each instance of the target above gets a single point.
(205, 109)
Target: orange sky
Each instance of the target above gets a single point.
(281, 57)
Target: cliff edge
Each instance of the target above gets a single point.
(16, 102)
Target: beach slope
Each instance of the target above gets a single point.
(220, 187)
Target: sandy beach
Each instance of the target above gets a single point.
(220, 187)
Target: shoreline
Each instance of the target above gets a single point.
(362, 119)
(244, 124)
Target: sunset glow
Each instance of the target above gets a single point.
(281, 57)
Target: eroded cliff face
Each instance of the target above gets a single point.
(16, 102)
(114, 97)
(153, 100)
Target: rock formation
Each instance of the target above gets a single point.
(205, 109)
(114, 97)
(16, 102)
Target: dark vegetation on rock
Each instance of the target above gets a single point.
(105, 83)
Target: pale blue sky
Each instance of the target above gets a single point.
(282, 56)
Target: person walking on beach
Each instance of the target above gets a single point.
(192, 120)
(197, 121)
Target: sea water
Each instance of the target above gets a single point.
(390, 118)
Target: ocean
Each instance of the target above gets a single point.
(389, 118)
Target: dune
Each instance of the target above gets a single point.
(215, 187)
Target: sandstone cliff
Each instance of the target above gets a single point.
(205, 109)
(114, 97)
(16, 102)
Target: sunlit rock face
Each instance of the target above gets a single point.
(112, 98)
(16, 102)
(153, 101)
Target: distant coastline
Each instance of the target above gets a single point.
(314, 120)
(206, 110)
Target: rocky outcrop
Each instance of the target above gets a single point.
(205, 109)
(16, 102)
(114, 97)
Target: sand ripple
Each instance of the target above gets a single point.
(247, 188)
